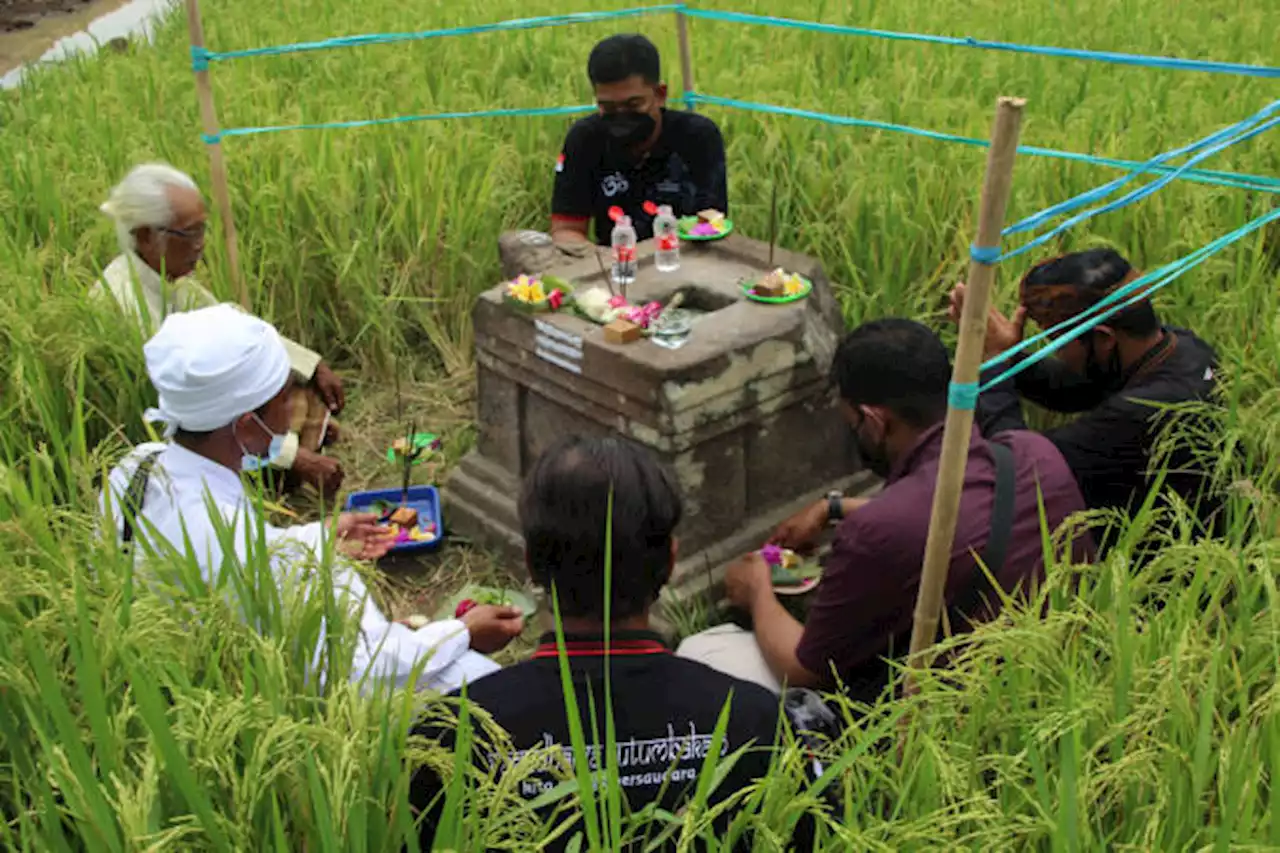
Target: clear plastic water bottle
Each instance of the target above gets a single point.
(667, 236)
(624, 252)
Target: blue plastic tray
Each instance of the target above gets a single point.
(425, 499)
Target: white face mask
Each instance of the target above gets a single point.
(254, 462)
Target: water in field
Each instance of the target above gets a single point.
(130, 20)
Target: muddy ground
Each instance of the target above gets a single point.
(30, 27)
(16, 15)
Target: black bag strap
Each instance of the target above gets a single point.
(1002, 510)
(136, 494)
(993, 555)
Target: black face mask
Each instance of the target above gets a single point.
(628, 130)
(874, 456)
(1107, 375)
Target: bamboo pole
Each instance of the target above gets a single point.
(686, 58)
(959, 423)
(217, 165)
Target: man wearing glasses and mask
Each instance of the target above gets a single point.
(160, 224)
(633, 151)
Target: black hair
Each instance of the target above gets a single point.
(564, 514)
(619, 57)
(1095, 273)
(899, 364)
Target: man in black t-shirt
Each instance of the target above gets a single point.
(1121, 377)
(665, 708)
(634, 150)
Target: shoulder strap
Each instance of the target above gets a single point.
(993, 554)
(136, 494)
(1001, 509)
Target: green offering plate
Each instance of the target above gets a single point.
(748, 289)
(796, 575)
(488, 595)
(687, 229)
(423, 441)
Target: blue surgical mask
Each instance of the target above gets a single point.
(254, 462)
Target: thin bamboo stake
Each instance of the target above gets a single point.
(959, 423)
(217, 165)
(773, 221)
(686, 58)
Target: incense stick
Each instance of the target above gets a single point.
(773, 222)
(608, 279)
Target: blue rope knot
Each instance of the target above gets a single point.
(199, 59)
(211, 138)
(986, 255)
(963, 396)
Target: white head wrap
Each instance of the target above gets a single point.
(213, 365)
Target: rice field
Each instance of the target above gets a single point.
(128, 724)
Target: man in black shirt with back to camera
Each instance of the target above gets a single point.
(634, 150)
(665, 708)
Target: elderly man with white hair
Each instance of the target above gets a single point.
(223, 379)
(160, 223)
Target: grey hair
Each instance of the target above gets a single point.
(141, 200)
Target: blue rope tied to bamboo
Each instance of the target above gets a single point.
(199, 59)
(985, 255)
(963, 396)
(375, 122)
(1252, 129)
(367, 39)
(1258, 183)
(1136, 59)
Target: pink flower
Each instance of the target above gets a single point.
(772, 554)
(555, 299)
(618, 302)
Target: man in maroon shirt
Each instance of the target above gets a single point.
(892, 377)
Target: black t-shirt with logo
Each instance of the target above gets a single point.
(665, 710)
(685, 169)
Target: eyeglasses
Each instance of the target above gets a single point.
(196, 232)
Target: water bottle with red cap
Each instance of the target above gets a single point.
(666, 235)
(623, 240)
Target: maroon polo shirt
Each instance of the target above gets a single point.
(862, 611)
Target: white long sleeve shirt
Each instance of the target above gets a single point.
(142, 293)
(182, 491)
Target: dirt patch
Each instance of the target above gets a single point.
(30, 27)
(16, 15)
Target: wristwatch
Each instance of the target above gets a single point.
(835, 506)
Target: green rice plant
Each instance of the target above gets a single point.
(1131, 705)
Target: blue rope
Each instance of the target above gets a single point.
(963, 395)
(1120, 299)
(391, 38)
(1136, 195)
(1257, 183)
(1035, 220)
(199, 59)
(372, 122)
(1141, 60)
(987, 255)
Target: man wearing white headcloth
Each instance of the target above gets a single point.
(160, 224)
(224, 383)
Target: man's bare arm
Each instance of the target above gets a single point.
(778, 635)
(566, 231)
